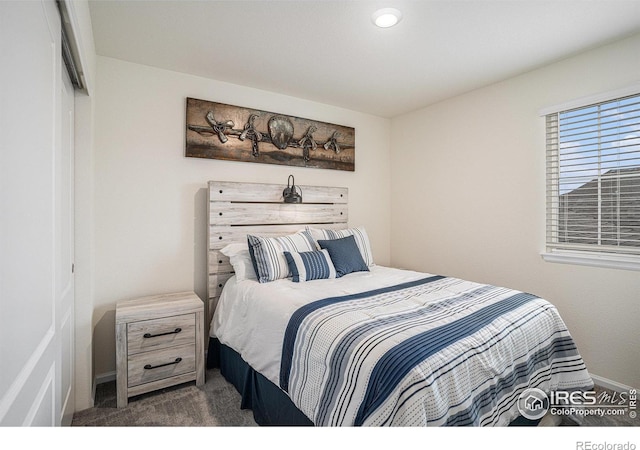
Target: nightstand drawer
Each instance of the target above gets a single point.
(159, 364)
(156, 334)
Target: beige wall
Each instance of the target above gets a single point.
(463, 194)
(150, 201)
(468, 199)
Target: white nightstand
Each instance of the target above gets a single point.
(159, 343)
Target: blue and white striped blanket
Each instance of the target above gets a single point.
(435, 351)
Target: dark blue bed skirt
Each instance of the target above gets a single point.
(270, 405)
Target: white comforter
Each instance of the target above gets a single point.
(251, 317)
(426, 350)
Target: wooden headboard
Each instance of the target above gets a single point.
(238, 209)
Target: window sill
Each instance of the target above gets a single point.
(609, 261)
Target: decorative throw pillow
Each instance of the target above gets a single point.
(345, 255)
(307, 266)
(267, 254)
(240, 259)
(359, 233)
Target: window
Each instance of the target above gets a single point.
(593, 179)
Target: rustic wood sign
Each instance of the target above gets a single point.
(233, 133)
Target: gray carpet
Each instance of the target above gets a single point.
(217, 403)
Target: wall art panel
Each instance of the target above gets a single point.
(234, 133)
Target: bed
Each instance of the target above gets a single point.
(312, 332)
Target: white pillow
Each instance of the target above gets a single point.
(240, 259)
(359, 233)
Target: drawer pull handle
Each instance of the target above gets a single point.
(149, 335)
(149, 366)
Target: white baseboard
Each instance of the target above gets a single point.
(104, 378)
(610, 384)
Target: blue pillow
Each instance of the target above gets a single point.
(345, 255)
(307, 266)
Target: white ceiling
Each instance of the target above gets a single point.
(330, 52)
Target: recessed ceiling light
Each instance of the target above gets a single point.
(386, 17)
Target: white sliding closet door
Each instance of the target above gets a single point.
(36, 212)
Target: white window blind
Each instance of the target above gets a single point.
(593, 178)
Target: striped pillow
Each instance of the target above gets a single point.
(267, 254)
(307, 266)
(359, 233)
